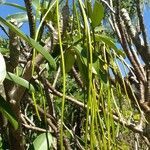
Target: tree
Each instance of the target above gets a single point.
(68, 85)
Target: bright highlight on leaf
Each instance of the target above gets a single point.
(2, 69)
(19, 17)
(43, 141)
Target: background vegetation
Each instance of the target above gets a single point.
(79, 80)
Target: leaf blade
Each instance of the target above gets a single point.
(15, 5)
(7, 112)
(98, 14)
(34, 44)
(19, 17)
(40, 143)
(18, 80)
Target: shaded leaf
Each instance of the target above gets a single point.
(89, 7)
(121, 53)
(18, 80)
(7, 112)
(98, 14)
(103, 76)
(81, 64)
(69, 60)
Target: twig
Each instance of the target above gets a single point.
(35, 128)
(146, 51)
(130, 126)
(135, 36)
(49, 100)
(77, 78)
(106, 3)
(41, 111)
(26, 118)
(71, 99)
(132, 33)
(142, 27)
(53, 125)
(56, 77)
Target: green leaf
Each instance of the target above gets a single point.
(19, 17)
(44, 52)
(83, 70)
(108, 41)
(18, 80)
(15, 5)
(103, 76)
(40, 143)
(96, 67)
(36, 4)
(120, 53)
(99, 29)
(69, 60)
(4, 50)
(2, 69)
(34, 44)
(89, 7)
(81, 64)
(98, 14)
(5, 109)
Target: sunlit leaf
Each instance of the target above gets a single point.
(108, 41)
(34, 44)
(96, 67)
(20, 81)
(3, 50)
(36, 4)
(19, 17)
(15, 5)
(43, 141)
(44, 52)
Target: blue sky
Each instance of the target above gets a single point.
(147, 19)
(8, 10)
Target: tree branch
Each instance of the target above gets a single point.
(28, 4)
